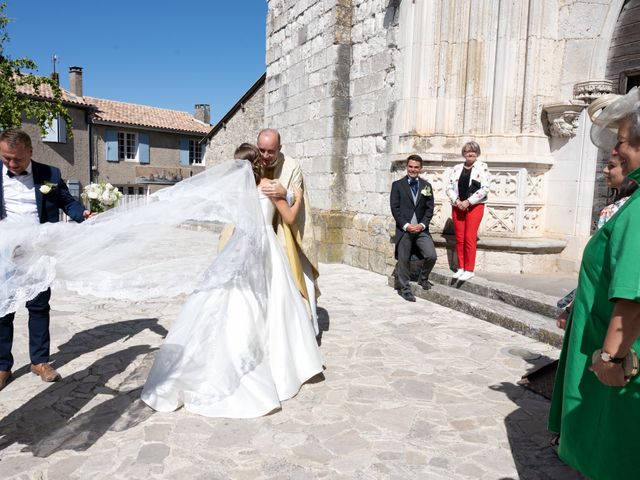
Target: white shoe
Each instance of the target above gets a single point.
(465, 275)
(458, 273)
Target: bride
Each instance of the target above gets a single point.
(242, 343)
(230, 355)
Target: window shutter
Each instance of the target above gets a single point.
(143, 148)
(184, 151)
(62, 130)
(111, 142)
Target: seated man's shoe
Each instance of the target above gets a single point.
(426, 285)
(407, 295)
(5, 376)
(46, 372)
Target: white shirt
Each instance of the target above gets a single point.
(19, 196)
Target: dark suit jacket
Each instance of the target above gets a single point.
(49, 204)
(402, 206)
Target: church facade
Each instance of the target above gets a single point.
(355, 86)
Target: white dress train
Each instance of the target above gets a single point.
(238, 350)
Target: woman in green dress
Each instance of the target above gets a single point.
(595, 408)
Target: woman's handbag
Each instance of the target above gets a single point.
(474, 186)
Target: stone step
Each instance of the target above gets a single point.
(528, 323)
(518, 309)
(523, 298)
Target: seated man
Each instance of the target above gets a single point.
(412, 208)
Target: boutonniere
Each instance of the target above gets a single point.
(426, 191)
(47, 187)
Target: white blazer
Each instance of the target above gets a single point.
(479, 173)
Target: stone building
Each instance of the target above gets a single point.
(70, 153)
(354, 86)
(141, 149)
(240, 124)
(137, 148)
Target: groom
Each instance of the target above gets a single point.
(31, 192)
(297, 239)
(412, 208)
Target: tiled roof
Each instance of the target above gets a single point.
(143, 116)
(45, 92)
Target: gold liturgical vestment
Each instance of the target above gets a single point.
(298, 239)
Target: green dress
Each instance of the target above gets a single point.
(599, 426)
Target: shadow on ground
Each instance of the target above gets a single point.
(527, 432)
(50, 421)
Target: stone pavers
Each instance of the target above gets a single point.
(411, 390)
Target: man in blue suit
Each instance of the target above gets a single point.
(412, 203)
(31, 192)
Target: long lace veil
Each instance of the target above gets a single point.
(163, 248)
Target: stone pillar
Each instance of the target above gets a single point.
(574, 181)
(307, 100)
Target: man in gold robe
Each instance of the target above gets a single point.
(298, 239)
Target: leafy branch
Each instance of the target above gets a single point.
(24, 95)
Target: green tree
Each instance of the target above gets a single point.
(15, 79)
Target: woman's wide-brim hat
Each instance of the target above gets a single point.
(606, 113)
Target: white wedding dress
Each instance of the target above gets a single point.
(243, 341)
(241, 348)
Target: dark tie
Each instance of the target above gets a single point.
(413, 183)
(11, 174)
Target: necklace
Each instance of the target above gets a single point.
(467, 168)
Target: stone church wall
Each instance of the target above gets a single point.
(243, 126)
(356, 86)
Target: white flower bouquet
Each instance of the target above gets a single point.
(101, 196)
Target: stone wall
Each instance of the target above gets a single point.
(356, 86)
(243, 126)
(330, 80)
(72, 156)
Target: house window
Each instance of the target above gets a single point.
(127, 146)
(195, 152)
(633, 80)
(56, 132)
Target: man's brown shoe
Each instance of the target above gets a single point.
(46, 372)
(5, 376)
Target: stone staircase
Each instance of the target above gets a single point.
(521, 310)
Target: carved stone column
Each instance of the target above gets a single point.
(562, 118)
(588, 91)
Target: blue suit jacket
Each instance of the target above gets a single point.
(57, 199)
(403, 208)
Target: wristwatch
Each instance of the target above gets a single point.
(607, 358)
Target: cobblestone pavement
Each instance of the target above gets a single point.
(411, 390)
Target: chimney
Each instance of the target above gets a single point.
(203, 112)
(75, 80)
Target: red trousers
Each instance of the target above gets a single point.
(466, 226)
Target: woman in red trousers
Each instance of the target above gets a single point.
(467, 188)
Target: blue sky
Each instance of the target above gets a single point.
(166, 54)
